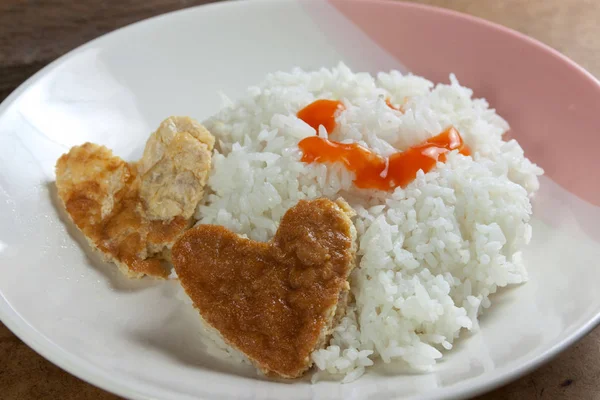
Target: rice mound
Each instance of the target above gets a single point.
(430, 254)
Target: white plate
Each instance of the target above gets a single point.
(133, 337)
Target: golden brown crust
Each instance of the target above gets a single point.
(102, 195)
(275, 301)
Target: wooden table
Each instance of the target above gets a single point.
(33, 33)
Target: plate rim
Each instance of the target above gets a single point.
(95, 376)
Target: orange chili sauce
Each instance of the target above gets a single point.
(393, 107)
(321, 112)
(370, 168)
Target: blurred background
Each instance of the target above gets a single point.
(33, 33)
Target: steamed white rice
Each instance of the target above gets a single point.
(429, 255)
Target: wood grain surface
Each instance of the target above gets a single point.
(35, 32)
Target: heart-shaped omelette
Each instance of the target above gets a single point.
(275, 302)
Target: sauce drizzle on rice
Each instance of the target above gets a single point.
(372, 170)
(321, 112)
(400, 108)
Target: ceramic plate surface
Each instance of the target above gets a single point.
(134, 338)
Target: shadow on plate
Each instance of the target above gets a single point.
(113, 276)
(179, 337)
